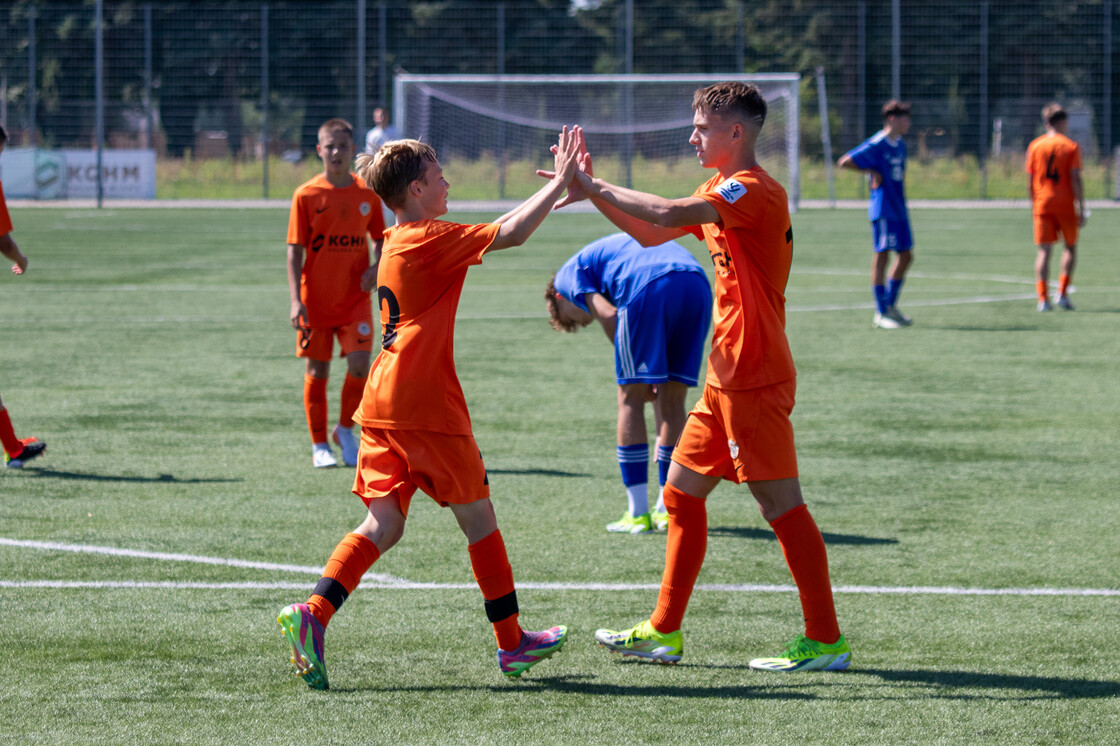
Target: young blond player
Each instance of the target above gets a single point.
(740, 430)
(332, 219)
(416, 431)
(17, 451)
(1057, 201)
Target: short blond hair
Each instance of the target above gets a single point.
(393, 167)
(1053, 114)
(335, 125)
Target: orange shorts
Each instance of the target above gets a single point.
(1047, 226)
(741, 435)
(447, 468)
(317, 342)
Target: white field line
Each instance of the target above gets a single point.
(388, 581)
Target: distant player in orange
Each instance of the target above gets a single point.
(1054, 165)
(332, 220)
(416, 431)
(740, 430)
(17, 451)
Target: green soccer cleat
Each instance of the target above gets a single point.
(305, 634)
(645, 642)
(630, 524)
(804, 654)
(659, 520)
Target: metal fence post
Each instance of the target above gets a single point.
(983, 144)
(32, 103)
(361, 82)
(265, 96)
(896, 49)
(1107, 103)
(99, 93)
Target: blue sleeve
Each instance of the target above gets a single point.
(580, 274)
(867, 156)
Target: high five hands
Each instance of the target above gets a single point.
(581, 178)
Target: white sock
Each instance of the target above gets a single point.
(637, 499)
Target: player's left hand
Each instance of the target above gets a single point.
(369, 279)
(20, 266)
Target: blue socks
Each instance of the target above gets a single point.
(893, 289)
(633, 461)
(881, 304)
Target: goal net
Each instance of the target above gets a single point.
(493, 131)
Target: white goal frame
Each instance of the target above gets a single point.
(403, 83)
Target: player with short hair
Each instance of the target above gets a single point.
(416, 431)
(382, 132)
(883, 157)
(1057, 201)
(655, 306)
(332, 219)
(740, 430)
(17, 451)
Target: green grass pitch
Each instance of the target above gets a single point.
(978, 450)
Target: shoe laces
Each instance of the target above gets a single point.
(797, 648)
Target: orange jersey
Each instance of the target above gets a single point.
(751, 248)
(412, 384)
(1050, 159)
(5, 218)
(331, 224)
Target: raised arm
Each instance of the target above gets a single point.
(518, 224)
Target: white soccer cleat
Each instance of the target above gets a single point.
(883, 321)
(322, 457)
(345, 440)
(1044, 305)
(1063, 303)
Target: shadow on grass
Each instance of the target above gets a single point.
(1019, 328)
(971, 680)
(743, 532)
(538, 472)
(168, 478)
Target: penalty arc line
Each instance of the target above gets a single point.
(388, 581)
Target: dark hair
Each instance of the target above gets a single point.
(3, 136)
(1053, 114)
(740, 100)
(393, 167)
(894, 108)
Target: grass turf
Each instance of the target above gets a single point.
(977, 449)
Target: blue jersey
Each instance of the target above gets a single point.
(619, 268)
(878, 153)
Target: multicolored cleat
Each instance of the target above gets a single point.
(534, 648)
(645, 642)
(804, 654)
(297, 625)
(659, 520)
(32, 448)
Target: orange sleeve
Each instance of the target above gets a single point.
(298, 225)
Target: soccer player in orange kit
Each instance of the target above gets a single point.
(1054, 165)
(333, 216)
(17, 451)
(740, 430)
(416, 431)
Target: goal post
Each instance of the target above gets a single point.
(637, 126)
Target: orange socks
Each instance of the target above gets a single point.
(349, 561)
(490, 565)
(315, 406)
(803, 547)
(1040, 289)
(684, 554)
(12, 444)
(1063, 284)
(352, 389)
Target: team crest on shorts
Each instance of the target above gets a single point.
(364, 329)
(733, 447)
(364, 209)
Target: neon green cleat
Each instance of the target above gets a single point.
(629, 524)
(659, 520)
(804, 654)
(645, 642)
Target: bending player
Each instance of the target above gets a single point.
(332, 219)
(740, 430)
(416, 431)
(655, 306)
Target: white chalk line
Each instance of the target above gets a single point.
(376, 580)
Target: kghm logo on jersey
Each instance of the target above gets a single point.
(731, 190)
(364, 209)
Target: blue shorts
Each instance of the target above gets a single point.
(891, 235)
(662, 334)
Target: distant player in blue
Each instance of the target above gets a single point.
(883, 157)
(655, 306)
